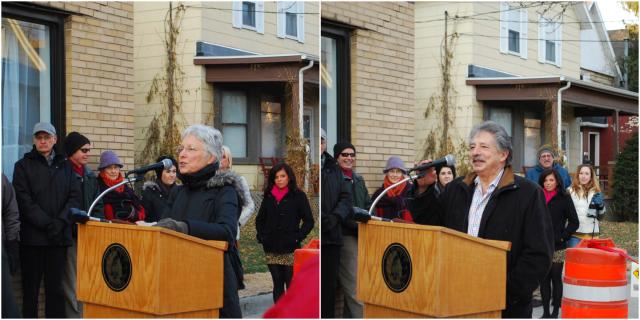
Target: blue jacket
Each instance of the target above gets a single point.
(533, 174)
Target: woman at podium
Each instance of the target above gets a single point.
(204, 208)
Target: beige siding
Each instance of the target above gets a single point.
(99, 75)
(382, 82)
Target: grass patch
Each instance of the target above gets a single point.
(624, 234)
(251, 252)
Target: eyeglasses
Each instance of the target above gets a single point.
(347, 154)
(189, 149)
(85, 150)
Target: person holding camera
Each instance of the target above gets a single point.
(589, 203)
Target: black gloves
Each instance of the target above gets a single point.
(55, 230)
(13, 251)
(175, 225)
(360, 214)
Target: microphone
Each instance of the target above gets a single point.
(79, 216)
(448, 160)
(164, 164)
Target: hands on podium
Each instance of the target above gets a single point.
(174, 225)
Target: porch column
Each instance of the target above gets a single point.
(616, 129)
(554, 124)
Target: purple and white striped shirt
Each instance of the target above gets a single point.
(479, 202)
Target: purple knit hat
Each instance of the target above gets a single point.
(108, 158)
(395, 163)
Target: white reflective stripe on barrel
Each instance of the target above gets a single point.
(597, 294)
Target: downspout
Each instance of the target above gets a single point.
(300, 113)
(559, 124)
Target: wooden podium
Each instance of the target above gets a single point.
(129, 271)
(417, 271)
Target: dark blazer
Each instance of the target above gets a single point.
(516, 212)
(45, 194)
(278, 225)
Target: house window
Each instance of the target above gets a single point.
(291, 20)
(32, 78)
(513, 30)
(550, 41)
(271, 127)
(335, 108)
(234, 122)
(248, 15)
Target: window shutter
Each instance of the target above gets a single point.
(300, 21)
(260, 16)
(504, 33)
(541, 37)
(237, 14)
(559, 44)
(524, 33)
(281, 23)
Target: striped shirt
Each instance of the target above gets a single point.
(479, 202)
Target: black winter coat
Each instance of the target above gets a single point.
(154, 200)
(278, 224)
(516, 212)
(45, 194)
(564, 219)
(335, 202)
(211, 212)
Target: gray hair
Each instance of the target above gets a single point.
(503, 141)
(209, 136)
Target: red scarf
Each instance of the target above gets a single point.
(79, 169)
(548, 195)
(279, 193)
(397, 190)
(110, 183)
(348, 172)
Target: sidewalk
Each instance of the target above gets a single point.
(256, 298)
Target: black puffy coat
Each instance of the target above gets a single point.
(335, 201)
(516, 212)
(278, 224)
(154, 200)
(45, 194)
(562, 211)
(211, 212)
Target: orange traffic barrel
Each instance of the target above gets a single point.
(312, 249)
(595, 282)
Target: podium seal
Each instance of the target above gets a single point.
(116, 267)
(396, 267)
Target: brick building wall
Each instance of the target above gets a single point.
(382, 82)
(99, 75)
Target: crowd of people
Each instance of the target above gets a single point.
(199, 195)
(541, 214)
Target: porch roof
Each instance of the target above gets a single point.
(258, 68)
(589, 98)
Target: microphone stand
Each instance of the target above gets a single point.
(410, 177)
(126, 180)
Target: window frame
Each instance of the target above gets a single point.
(506, 20)
(237, 18)
(254, 92)
(255, 13)
(543, 24)
(284, 7)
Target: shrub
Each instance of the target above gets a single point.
(625, 181)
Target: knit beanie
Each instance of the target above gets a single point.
(340, 146)
(395, 163)
(159, 171)
(73, 142)
(546, 148)
(108, 158)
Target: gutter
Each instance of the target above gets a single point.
(559, 124)
(301, 112)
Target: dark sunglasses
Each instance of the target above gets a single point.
(347, 154)
(85, 150)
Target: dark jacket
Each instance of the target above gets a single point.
(10, 214)
(392, 207)
(45, 194)
(533, 174)
(154, 200)
(211, 212)
(89, 191)
(278, 224)
(360, 198)
(335, 203)
(516, 212)
(563, 217)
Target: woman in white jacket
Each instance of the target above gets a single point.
(589, 204)
(241, 186)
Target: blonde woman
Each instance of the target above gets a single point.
(589, 204)
(240, 184)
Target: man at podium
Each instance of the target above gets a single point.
(204, 209)
(494, 203)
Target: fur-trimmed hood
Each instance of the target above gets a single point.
(150, 184)
(239, 183)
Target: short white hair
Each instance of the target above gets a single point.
(209, 136)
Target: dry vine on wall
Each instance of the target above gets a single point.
(162, 136)
(296, 154)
